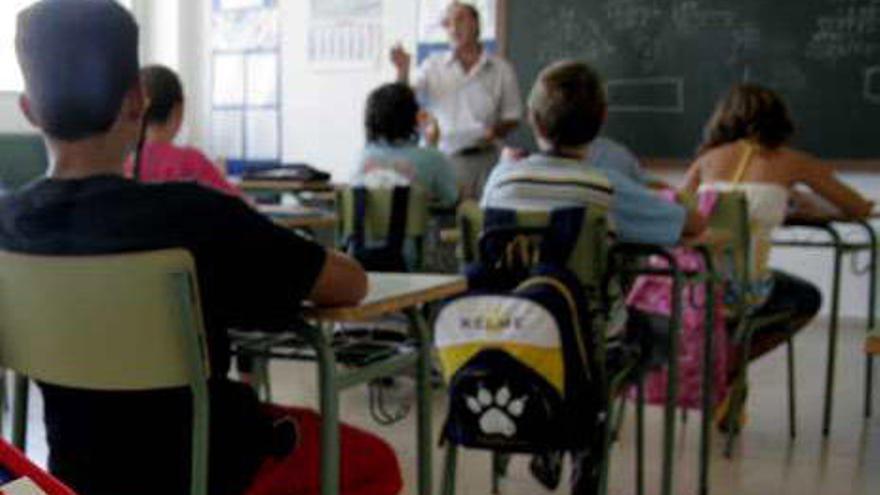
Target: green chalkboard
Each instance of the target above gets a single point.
(667, 61)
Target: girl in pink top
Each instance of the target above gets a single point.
(160, 159)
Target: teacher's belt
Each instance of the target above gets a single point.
(476, 150)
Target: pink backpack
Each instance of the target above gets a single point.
(651, 294)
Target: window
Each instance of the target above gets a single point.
(10, 76)
(245, 96)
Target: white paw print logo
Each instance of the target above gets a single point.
(497, 412)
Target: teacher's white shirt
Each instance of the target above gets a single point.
(466, 104)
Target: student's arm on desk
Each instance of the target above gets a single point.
(820, 177)
(694, 223)
(341, 282)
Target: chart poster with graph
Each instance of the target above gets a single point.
(432, 36)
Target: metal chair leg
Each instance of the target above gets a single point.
(640, 437)
(449, 469)
(499, 470)
(792, 392)
(668, 474)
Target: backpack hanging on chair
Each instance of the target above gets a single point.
(518, 351)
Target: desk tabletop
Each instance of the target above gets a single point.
(298, 217)
(872, 343)
(803, 220)
(393, 292)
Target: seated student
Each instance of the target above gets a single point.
(566, 109)
(608, 154)
(393, 155)
(160, 160)
(252, 274)
(746, 149)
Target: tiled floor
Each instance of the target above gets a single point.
(766, 461)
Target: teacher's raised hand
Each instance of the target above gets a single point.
(401, 60)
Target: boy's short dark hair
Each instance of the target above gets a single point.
(568, 103)
(163, 90)
(79, 58)
(392, 114)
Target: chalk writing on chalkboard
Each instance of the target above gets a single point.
(573, 30)
(690, 17)
(646, 95)
(628, 15)
(872, 84)
(852, 31)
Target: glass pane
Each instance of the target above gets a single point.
(262, 79)
(228, 79)
(227, 133)
(245, 30)
(262, 135)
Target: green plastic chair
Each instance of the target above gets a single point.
(469, 219)
(378, 218)
(731, 214)
(128, 322)
(588, 261)
(23, 158)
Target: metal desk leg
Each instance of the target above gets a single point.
(329, 398)
(872, 302)
(423, 390)
(832, 331)
(672, 392)
(21, 397)
(708, 362)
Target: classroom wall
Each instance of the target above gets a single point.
(11, 119)
(323, 109)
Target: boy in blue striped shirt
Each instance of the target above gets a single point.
(567, 107)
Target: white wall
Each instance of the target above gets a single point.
(323, 110)
(11, 118)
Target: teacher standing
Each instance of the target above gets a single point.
(473, 95)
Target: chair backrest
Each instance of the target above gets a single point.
(589, 256)
(469, 218)
(23, 158)
(118, 322)
(731, 214)
(126, 322)
(378, 213)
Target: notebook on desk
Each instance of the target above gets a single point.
(288, 172)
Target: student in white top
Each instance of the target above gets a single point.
(474, 96)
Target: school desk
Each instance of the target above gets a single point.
(839, 246)
(298, 217)
(389, 293)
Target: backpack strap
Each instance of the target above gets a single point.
(565, 230)
(358, 228)
(749, 150)
(397, 222)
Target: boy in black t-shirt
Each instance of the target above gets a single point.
(80, 64)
